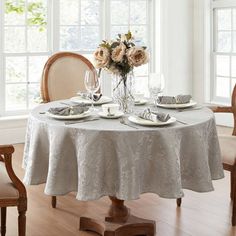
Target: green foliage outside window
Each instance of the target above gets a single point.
(36, 11)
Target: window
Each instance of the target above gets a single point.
(223, 50)
(32, 30)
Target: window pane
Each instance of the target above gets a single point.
(34, 95)
(37, 12)
(234, 42)
(233, 67)
(69, 39)
(15, 69)
(115, 30)
(138, 12)
(89, 37)
(14, 12)
(222, 87)
(223, 65)
(18, 44)
(224, 41)
(234, 19)
(119, 13)
(36, 65)
(69, 13)
(89, 12)
(140, 34)
(37, 39)
(15, 97)
(224, 19)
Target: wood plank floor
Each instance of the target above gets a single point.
(201, 214)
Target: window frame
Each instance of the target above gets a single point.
(217, 5)
(53, 39)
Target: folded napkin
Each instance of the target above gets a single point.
(96, 96)
(68, 110)
(179, 99)
(154, 116)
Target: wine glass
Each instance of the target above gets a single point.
(92, 84)
(156, 85)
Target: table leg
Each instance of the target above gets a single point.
(119, 222)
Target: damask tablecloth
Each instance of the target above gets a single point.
(105, 157)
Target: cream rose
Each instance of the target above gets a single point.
(118, 53)
(101, 57)
(137, 56)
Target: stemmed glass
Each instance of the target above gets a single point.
(92, 84)
(156, 85)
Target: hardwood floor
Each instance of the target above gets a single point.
(201, 214)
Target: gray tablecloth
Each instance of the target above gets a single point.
(104, 157)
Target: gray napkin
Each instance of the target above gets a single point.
(154, 116)
(179, 99)
(66, 111)
(96, 96)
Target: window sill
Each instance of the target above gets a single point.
(10, 122)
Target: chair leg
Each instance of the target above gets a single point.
(21, 223)
(3, 220)
(232, 185)
(179, 201)
(233, 175)
(54, 201)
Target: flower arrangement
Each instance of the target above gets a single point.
(120, 56)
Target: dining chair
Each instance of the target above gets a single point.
(12, 191)
(228, 151)
(63, 76)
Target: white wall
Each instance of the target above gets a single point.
(177, 45)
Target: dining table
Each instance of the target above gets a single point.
(122, 160)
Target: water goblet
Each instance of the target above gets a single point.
(92, 84)
(156, 85)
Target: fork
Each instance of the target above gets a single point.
(124, 122)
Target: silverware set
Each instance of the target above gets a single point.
(123, 121)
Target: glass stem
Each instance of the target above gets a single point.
(92, 106)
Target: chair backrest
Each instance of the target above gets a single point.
(233, 103)
(63, 76)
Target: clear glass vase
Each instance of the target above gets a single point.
(122, 91)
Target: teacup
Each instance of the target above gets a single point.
(110, 109)
(138, 97)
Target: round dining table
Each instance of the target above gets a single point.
(122, 160)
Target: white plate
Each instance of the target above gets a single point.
(140, 121)
(141, 102)
(70, 117)
(102, 100)
(117, 115)
(176, 106)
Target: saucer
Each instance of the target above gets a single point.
(115, 116)
(140, 102)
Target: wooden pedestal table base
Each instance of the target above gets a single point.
(119, 222)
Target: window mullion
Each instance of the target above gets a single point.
(54, 26)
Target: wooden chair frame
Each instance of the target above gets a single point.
(44, 82)
(21, 202)
(228, 167)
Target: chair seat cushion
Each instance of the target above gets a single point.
(7, 190)
(228, 149)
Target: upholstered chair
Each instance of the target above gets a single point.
(63, 76)
(12, 191)
(228, 150)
